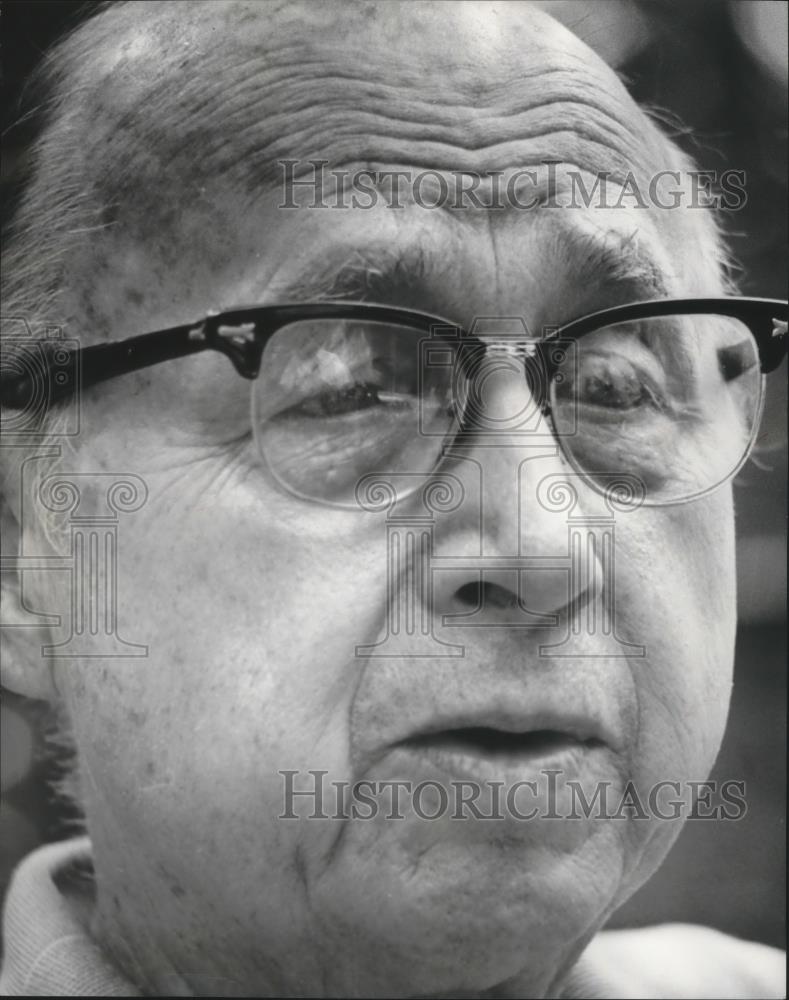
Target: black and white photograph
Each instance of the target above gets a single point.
(393, 479)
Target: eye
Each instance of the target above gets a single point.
(351, 399)
(614, 382)
(610, 376)
(343, 382)
(362, 371)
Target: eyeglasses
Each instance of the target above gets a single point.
(669, 391)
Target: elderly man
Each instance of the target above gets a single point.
(363, 582)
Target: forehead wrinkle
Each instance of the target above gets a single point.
(346, 121)
(235, 116)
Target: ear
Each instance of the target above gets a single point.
(23, 631)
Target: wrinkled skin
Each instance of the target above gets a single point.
(252, 602)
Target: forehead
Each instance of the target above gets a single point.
(186, 119)
(235, 87)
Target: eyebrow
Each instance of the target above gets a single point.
(611, 262)
(619, 261)
(363, 275)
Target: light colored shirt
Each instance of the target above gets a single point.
(49, 950)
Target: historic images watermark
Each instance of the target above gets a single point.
(551, 184)
(551, 795)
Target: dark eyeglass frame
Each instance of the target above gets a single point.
(241, 334)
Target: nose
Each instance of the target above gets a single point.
(503, 556)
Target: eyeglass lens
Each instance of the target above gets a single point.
(673, 400)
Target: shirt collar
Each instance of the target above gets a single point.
(48, 949)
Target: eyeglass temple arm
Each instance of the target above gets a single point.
(26, 371)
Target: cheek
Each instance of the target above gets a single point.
(250, 671)
(677, 568)
(251, 613)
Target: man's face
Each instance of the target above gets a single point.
(252, 602)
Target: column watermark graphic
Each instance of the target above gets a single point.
(90, 508)
(409, 544)
(94, 558)
(517, 437)
(85, 510)
(591, 548)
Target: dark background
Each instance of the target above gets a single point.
(715, 72)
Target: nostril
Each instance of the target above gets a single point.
(477, 595)
(469, 594)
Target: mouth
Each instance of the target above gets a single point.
(501, 746)
(507, 743)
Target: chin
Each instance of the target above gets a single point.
(461, 916)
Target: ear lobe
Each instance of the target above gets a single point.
(23, 632)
